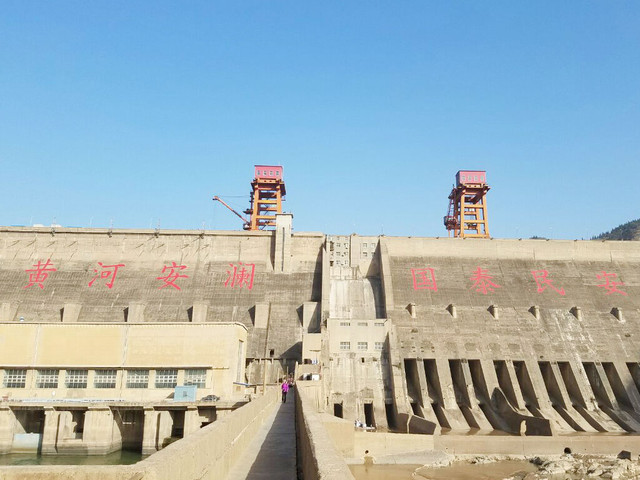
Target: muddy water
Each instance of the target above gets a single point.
(457, 471)
(384, 472)
(469, 471)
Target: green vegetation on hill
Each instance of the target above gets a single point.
(626, 231)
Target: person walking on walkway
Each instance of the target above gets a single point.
(285, 390)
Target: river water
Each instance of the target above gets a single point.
(456, 471)
(123, 457)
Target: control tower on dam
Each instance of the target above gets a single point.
(416, 335)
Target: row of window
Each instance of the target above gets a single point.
(271, 173)
(78, 378)
(339, 263)
(362, 245)
(362, 324)
(362, 345)
(346, 254)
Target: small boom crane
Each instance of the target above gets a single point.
(246, 223)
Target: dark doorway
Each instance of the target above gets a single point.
(368, 415)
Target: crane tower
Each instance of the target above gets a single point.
(267, 194)
(467, 215)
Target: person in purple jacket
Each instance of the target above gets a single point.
(285, 389)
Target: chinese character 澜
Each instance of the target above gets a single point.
(424, 279)
(482, 281)
(108, 271)
(540, 276)
(172, 276)
(39, 274)
(610, 286)
(240, 275)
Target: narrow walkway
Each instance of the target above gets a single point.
(272, 453)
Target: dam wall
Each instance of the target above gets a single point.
(478, 335)
(429, 336)
(134, 276)
(550, 328)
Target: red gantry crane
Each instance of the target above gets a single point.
(467, 215)
(267, 194)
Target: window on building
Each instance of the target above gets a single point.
(379, 345)
(362, 324)
(364, 245)
(363, 345)
(166, 378)
(195, 376)
(105, 379)
(345, 324)
(365, 254)
(76, 379)
(137, 378)
(47, 378)
(14, 378)
(379, 324)
(345, 345)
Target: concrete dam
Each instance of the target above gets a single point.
(466, 343)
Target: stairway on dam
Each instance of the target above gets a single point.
(272, 453)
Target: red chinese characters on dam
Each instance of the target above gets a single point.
(106, 272)
(482, 281)
(424, 279)
(39, 274)
(543, 281)
(609, 285)
(173, 275)
(240, 275)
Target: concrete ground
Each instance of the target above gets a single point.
(272, 453)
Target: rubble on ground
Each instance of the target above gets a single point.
(570, 467)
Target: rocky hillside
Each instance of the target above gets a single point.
(626, 231)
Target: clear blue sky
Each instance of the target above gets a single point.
(137, 113)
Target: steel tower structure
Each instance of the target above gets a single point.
(467, 215)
